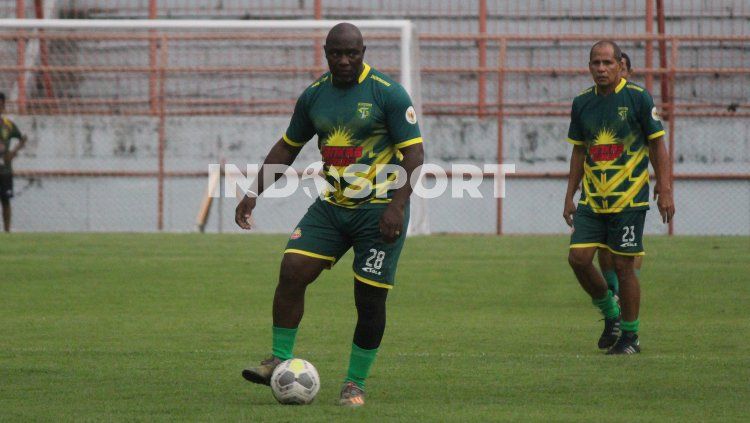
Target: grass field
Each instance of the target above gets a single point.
(158, 327)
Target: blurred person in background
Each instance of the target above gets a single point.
(8, 131)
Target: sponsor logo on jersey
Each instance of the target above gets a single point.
(411, 115)
(297, 234)
(605, 152)
(623, 113)
(629, 244)
(340, 156)
(364, 110)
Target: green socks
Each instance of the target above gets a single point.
(611, 277)
(283, 342)
(360, 362)
(630, 326)
(608, 306)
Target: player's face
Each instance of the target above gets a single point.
(625, 73)
(604, 68)
(345, 56)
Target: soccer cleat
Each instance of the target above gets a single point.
(610, 333)
(352, 395)
(627, 344)
(262, 374)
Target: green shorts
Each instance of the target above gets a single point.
(327, 232)
(621, 233)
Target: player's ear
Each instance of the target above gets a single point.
(363, 50)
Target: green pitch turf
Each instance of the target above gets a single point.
(158, 327)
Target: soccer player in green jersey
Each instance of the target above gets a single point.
(615, 129)
(363, 119)
(8, 131)
(606, 265)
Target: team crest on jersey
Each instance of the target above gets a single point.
(411, 115)
(623, 113)
(297, 234)
(655, 114)
(364, 110)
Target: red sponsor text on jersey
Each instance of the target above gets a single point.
(605, 152)
(340, 156)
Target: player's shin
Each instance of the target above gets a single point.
(630, 299)
(370, 303)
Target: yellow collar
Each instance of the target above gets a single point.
(365, 72)
(618, 88)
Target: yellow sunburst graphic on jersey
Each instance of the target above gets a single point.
(340, 137)
(605, 136)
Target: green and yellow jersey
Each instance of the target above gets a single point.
(8, 131)
(358, 128)
(615, 130)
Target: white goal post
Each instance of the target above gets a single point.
(401, 32)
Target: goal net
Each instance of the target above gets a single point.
(124, 117)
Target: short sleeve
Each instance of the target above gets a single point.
(649, 118)
(401, 118)
(575, 131)
(301, 128)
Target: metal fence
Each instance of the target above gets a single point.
(497, 81)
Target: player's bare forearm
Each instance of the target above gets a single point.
(663, 190)
(392, 220)
(658, 155)
(413, 158)
(577, 158)
(281, 154)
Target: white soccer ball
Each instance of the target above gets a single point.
(295, 381)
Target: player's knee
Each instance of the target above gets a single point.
(296, 271)
(577, 259)
(370, 301)
(623, 265)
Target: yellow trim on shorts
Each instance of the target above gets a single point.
(589, 244)
(309, 254)
(292, 143)
(656, 134)
(619, 253)
(407, 143)
(371, 282)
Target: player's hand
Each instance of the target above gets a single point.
(665, 202)
(22, 140)
(568, 211)
(243, 214)
(392, 222)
